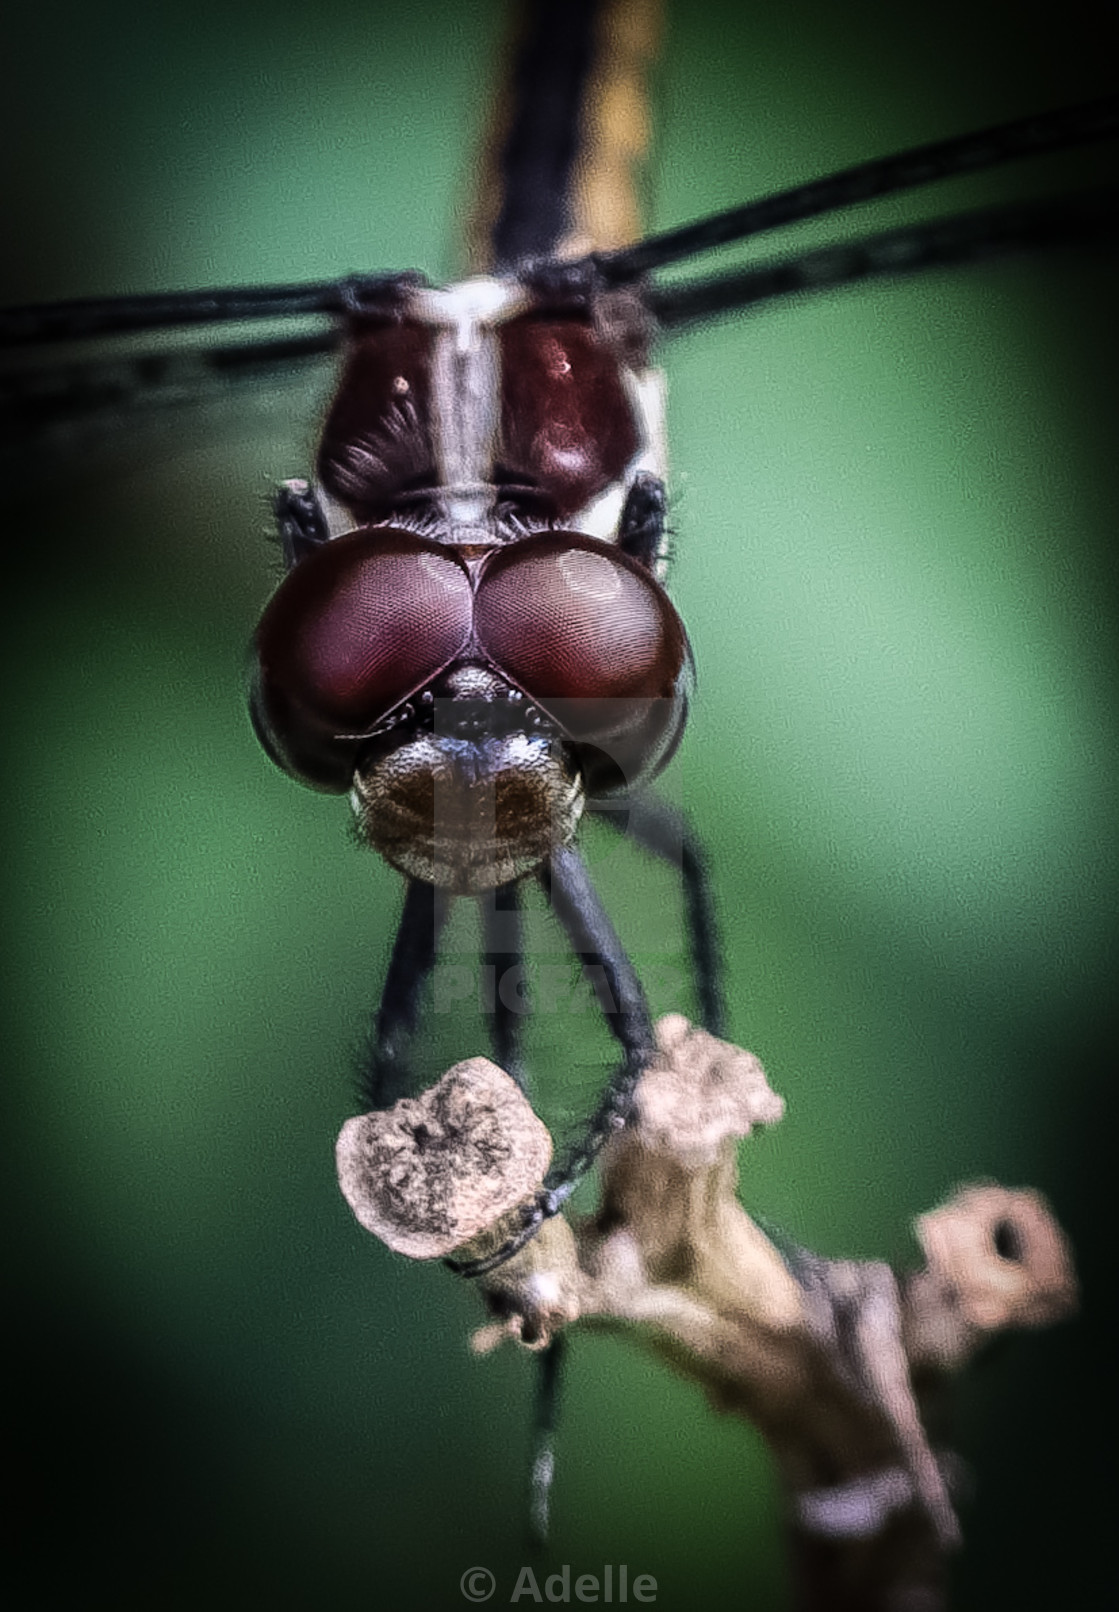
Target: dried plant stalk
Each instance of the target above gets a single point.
(841, 1364)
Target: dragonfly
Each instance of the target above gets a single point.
(721, 673)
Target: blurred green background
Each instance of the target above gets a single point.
(894, 524)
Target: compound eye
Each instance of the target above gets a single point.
(589, 635)
(358, 626)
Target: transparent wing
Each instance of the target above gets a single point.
(83, 408)
(73, 382)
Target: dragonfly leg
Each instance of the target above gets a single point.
(545, 1417)
(385, 1071)
(384, 1075)
(591, 934)
(665, 833)
(503, 956)
(579, 909)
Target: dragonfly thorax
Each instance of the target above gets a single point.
(478, 412)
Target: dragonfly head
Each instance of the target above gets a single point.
(470, 703)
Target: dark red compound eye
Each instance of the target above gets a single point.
(591, 637)
(570, 618)
(354, 629)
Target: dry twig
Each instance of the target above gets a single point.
(839, 1363)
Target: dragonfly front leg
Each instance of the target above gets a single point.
(666, 834)
(503, 959)
(384, 1077)
(593, 939)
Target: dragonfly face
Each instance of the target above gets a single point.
(892, 521)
